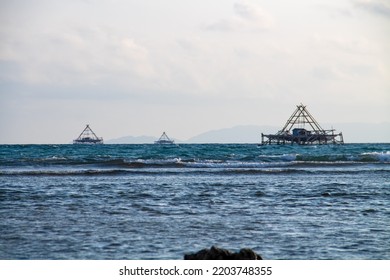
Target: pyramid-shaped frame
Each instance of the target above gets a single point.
(164, 139)
(301, 117)
(87, 136)
(294, 131)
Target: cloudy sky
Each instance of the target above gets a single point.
(130, 67)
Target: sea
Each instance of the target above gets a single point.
(159, 202)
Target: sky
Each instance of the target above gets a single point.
(130, 67)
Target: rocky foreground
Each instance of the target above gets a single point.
(215, 253)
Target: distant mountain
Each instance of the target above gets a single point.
(363, 132)
(237, 134)
(352, 132)
(136, 140)
(132, 140)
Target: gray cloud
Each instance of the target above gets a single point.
(137, 60)
(247, 16)
(379, 7)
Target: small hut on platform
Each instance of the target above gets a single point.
(301, 128)
(164, 139)
(88, 137)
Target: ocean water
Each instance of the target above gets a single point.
(161, 202)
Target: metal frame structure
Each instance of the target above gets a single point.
(164, 139)
(87, 136)
(294, 131)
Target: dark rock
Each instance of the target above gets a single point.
(247, 254)
(215, 253)
(260, 193)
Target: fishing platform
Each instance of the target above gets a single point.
(294, 131)
(88, 137)
(164, 140)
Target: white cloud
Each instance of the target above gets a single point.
(247, 16)
(255, 15)
(73, 55)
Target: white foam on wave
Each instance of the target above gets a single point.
(234, 164)
(156, 161)
(289, 157)
(283, 157)
(380, 156)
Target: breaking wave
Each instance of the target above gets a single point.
(221, 159)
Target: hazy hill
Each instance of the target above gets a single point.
(352, 132)
(363, 132)
(132, 140)
(136, 140)
(237, 134)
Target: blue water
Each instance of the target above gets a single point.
(160, 202)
